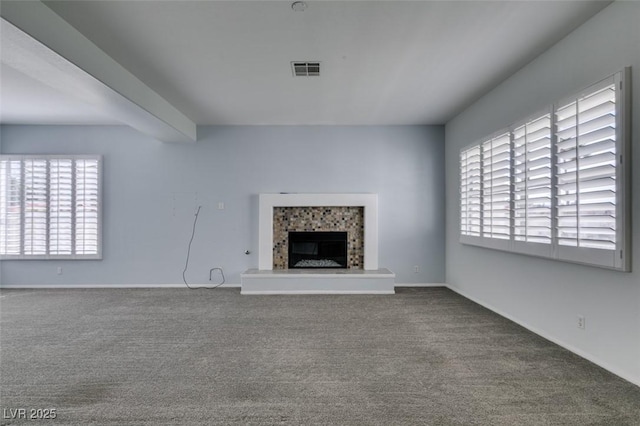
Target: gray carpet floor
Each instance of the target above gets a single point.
(174, 356)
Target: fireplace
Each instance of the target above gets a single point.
(286, 212)
(318, 250)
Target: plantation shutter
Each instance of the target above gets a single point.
(87, 206)
(557, 185)
(10, 207)
(586, 169)
(532, 181)
(60, 206)
(35, 206)
(50, 207)
(496, 187)
(470, 191)
(464, 194)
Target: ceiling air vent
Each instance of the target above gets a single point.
(306, 69)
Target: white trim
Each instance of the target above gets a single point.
(66, 286)
(607, 366)
(265, 221)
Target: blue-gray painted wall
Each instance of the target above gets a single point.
(151, 191)
(548, 295)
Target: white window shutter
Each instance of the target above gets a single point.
(470, 190)
(586, 170)
(60, 207)
(532, 181)
(50, 207)
(10, 207)
(87, 205)
(35, 207)
(558, 185)
(496, 187)
(464, 194)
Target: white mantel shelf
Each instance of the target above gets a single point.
(265, 227)
(318, 281)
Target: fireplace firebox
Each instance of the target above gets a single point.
(317, 250)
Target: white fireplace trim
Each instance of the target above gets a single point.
(265, 226)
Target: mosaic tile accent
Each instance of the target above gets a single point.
(306, 219)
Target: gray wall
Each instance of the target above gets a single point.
(151, 191)
(547, 295)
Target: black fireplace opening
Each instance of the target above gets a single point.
(317, 250)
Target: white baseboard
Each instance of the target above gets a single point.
(559, 342)
(420, 285)
(226, 285)
(55, 286)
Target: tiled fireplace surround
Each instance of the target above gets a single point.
(317, 219)
(355, 213)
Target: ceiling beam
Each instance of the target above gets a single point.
(40, 44)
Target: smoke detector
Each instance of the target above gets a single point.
(305, 69)
(298, 6)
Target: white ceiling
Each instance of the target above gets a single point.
(228, 62)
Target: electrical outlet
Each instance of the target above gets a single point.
(59, 270)
(220, 205)
(581, 322)
(416, 269)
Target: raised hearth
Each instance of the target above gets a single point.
(318, 281)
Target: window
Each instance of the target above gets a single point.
(496, 165)
(532, 180)
(556, 184)
(470, 190)
(50, 207)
